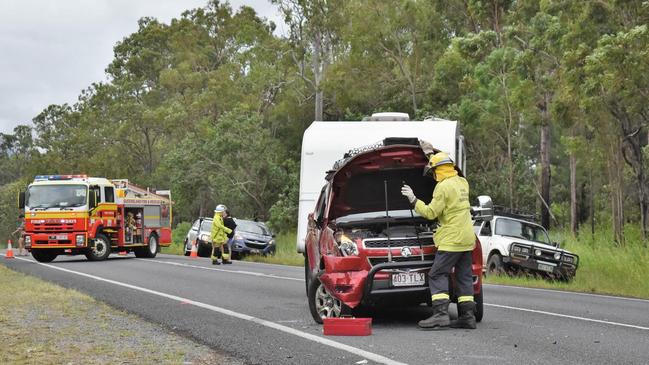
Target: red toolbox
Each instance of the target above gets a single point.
(347, 326)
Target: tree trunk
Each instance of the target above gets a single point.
(574, 219)
(318, 71)
(615, 181)
(545, 170)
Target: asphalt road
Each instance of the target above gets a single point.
(258, 313)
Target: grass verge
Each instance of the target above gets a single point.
(604, 268)
(42, 323)
(285, 252)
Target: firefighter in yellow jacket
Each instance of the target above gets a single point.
(220, 235)
(455, 241)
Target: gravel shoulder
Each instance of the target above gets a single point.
(42, 323)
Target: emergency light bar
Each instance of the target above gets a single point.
(59, 177)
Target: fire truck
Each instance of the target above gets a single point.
(93, 216)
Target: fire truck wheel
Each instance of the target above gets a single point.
(100, 249)
(43, 255)
(151, 250)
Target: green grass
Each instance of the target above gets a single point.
(285, 253)
(177, 239)
(604, 268)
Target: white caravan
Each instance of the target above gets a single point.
(324, 143)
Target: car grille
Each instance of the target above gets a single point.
(381, 260)
(53, 227)
(398, 242)
(256, 244)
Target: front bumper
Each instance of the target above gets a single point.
(560, 269)
(53, 240)
(241, 247)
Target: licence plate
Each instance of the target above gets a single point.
(408, 279)
(254, 250)
(547, 268)
(58, 237)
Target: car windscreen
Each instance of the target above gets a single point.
(252, 227)
(527, 231)
(56, 196)
(206, 226)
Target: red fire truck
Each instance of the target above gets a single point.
(77, 214)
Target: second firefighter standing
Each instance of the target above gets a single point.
(220, 236)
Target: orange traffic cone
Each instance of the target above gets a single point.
(194, 252)
(10, 251)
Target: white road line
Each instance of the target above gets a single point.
(567, 316)
(307, 336)
(252, 263)
(569, 292)
(252, 273)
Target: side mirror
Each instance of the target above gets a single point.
(92, 200)
(21, 200)
(485, 209)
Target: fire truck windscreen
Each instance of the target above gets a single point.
(56, 196)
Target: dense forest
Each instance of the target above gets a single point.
(552, 97)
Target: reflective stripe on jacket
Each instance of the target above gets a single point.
(450, 205)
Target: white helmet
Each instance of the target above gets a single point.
(220, 208)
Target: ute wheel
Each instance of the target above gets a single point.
(322, 304)
(495, 265)
(43, 255)
(100, 248)
(150, 250)
(479, 306)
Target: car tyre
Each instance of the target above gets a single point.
(322, 304)
(187, 252)
(495, 265)
(479, 306)
(43, 256)
(100, 249)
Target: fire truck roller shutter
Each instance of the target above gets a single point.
(152, 216)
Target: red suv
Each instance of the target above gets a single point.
(364, 245)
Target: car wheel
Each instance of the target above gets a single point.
(479, 306)
(187, 252)
(495, 265)
(100, 249)
(322, 304)
(43, 255)
(149, 251)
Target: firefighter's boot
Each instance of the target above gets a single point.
(440, 319)
(465, 316)
(226, 256)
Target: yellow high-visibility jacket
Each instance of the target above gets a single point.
(450, 205)
(219, 230)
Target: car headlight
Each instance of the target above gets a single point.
(271, 242)
(28, 240)
(81, 239)
(557, 256)
(238, 236)
(537, 252)
(206, 238)
(347, 246)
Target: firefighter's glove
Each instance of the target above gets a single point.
(407, 192)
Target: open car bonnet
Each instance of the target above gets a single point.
(359, 185)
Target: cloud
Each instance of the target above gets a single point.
(51, 50)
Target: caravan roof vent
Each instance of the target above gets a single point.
(389, 117)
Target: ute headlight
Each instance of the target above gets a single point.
(557, 256)
(81, 240)
(347, 246)
(521, 249)
(206, 238)
(537, 252)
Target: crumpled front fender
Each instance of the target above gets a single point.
(344, 278)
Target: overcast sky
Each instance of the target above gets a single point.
(50, 50)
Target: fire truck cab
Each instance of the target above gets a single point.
(77, 214)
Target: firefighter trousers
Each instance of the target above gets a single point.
(441, 269)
